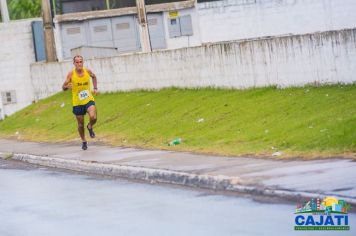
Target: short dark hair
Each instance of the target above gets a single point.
(77, 56)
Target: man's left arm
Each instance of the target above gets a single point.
(93, 77)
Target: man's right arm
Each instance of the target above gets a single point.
(67, 83)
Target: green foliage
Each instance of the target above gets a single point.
(309, 121)
(21, 9)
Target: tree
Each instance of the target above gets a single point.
(21, 9)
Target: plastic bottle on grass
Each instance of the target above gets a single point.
(175, 142)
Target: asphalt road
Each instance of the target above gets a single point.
(41, 201)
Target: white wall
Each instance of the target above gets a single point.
(16, 55)
(324, 58)
(58, 41)
(183, 41)
(242, 19)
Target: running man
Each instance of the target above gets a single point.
(82, 98)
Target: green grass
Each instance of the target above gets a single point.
(306, 122)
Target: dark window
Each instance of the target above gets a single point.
(208, 0)
(69, 6)
(150, 2)
(122, 3)
(8, 97)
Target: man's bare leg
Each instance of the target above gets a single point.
(80, 120)
(92, 120)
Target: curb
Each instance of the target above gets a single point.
(216, 183)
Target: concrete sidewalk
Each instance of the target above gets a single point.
(288, 179)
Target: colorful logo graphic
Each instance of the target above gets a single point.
(318, 214)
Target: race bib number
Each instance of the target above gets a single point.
(83, 94)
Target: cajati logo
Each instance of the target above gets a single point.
(327, 214)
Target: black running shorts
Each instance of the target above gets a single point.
(82, 109)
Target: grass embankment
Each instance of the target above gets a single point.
(309, 121)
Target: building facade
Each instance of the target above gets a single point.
(116, 25)
(178, 24)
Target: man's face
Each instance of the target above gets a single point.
(78, 63)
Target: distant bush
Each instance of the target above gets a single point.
(21, 9)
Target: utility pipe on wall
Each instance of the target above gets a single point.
(142, 20)
(48, 32)
(4, 11)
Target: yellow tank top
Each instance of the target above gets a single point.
(81, 93)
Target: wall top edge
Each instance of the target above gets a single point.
(21, 21)
(170, 6)
(281, 36)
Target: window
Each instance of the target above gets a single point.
(150, 2)
(8, 97)
(75, 30)
(180, 26)
(70, 6)
(100, 28)
(123, 26)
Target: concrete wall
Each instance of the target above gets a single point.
(16, 55)
(242, 19)
(328, 57)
